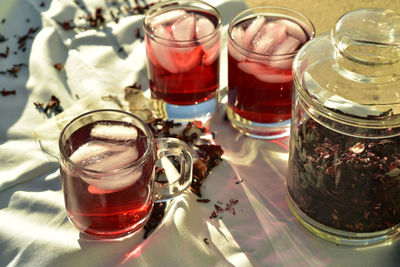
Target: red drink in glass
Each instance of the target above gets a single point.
(107, 161)
(260, 100)
(183, 47)
(107, 203)
(261, 48)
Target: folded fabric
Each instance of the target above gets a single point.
(94, 62)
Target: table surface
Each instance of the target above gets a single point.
(34, 229)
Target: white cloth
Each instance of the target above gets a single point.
(34, 230)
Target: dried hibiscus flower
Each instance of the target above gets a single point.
(53, 107)
(29, 35)
(67, 25)
(5, 92)
(155, 218)
(208, 156)
(5, 54)
(58, 66)
(13, 71)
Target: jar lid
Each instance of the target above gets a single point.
(354, 70)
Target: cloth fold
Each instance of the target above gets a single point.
(94, 66)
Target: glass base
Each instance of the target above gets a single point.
(384, 237)
(183, 113)
(256, 129)
(90, 234)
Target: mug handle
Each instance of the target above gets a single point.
(176, 182)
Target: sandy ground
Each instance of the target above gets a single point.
(325, 13)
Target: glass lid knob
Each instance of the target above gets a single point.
(368, 36)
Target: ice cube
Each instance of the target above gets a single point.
(252, 30)
(268, 38)
(289, 45)
(162, 32)
(264, 73)
(294, 29)
(174, 59)
(204, 27)
(274, 77)
(111, 185)
(114, 132)
(211, 53)
(283, 64)
(103, 158)
(89, 152)
(166, 18)
(117, 157)
(252, 67)
(162, 53)
(184, 28)
(185, 59)
(237, 35)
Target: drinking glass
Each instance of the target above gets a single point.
(183, 47)
(262, 43)
(107, 163)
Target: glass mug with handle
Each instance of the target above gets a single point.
(108, 160)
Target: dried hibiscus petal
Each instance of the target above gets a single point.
(5, 54)
(58, 66)
(209, 155)
(5, 92)
(52, 107)
(155, 218)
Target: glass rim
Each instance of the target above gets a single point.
(136, 164)
(257, 55)
(160, 5)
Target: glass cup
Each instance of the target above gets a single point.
(107, 163)
(262, 43)
(183, 47)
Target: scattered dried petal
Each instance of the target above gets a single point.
(29, 35)
(203, 200)
(53, 107)
(67, 25)
(59, 66)
(155, 218)
(13, 71)
(5, 54)
(2, 38)
(357, 148)
(5, 92)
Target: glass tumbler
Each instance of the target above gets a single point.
(183, 56)
(262, 43)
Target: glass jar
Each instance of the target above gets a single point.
(343, 180)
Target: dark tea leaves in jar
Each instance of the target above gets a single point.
(345, 182)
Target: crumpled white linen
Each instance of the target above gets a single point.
(34, 229)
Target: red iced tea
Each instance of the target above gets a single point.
(109, 203)
(260, 67)
(183, 55)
